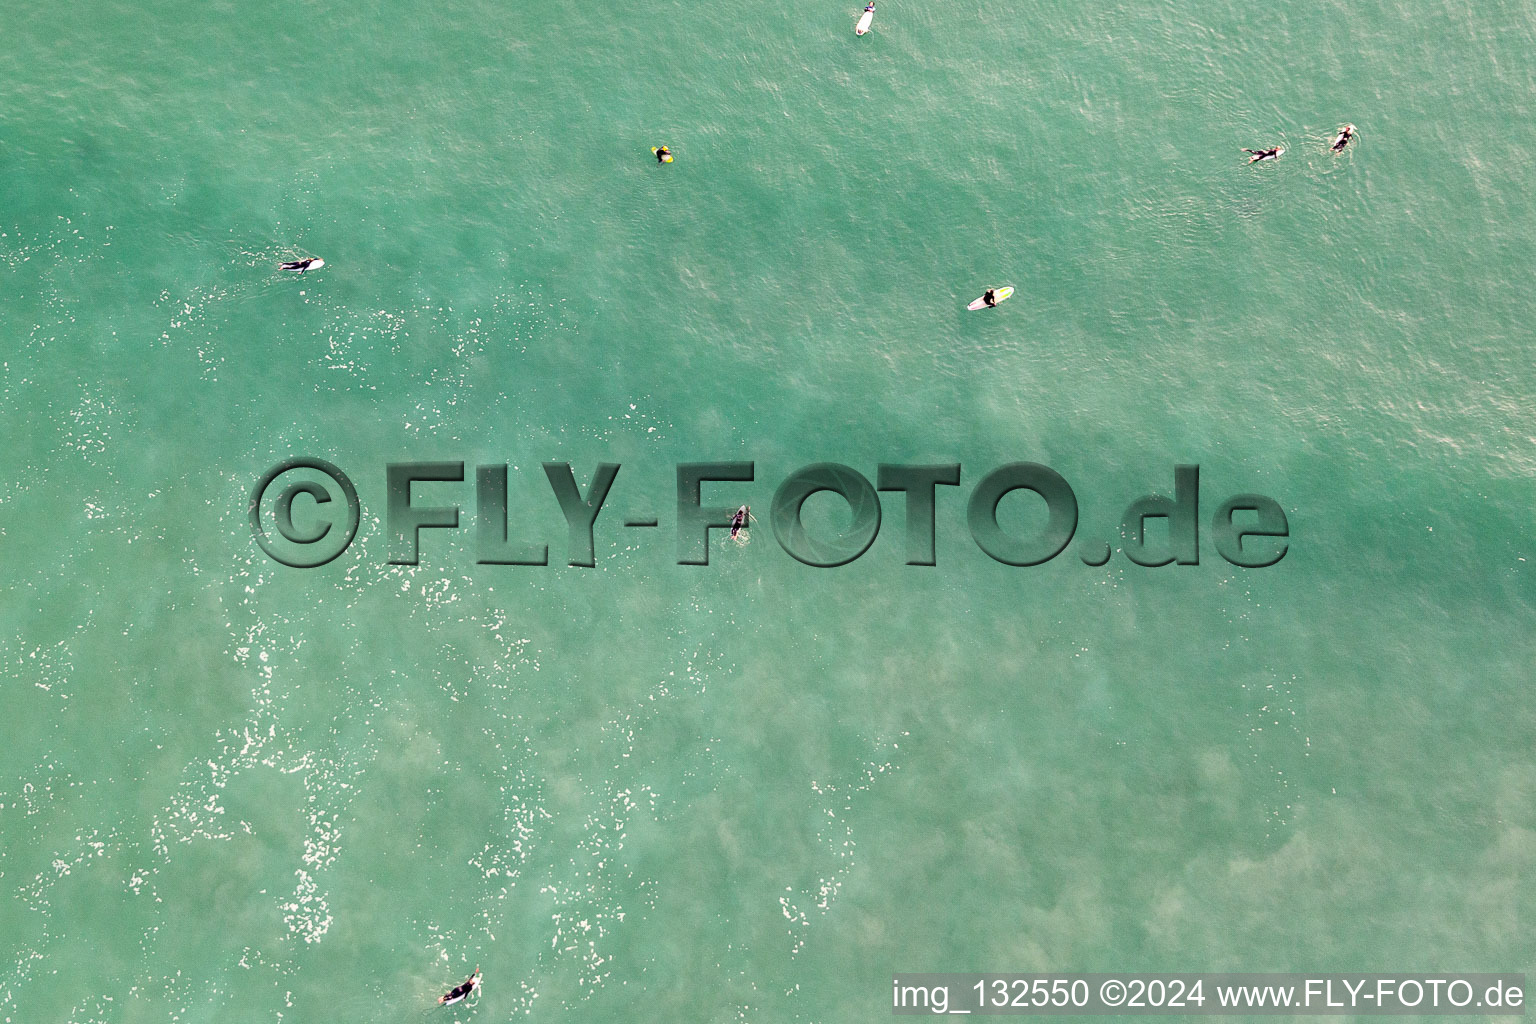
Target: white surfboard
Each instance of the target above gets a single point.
(864, 23)
(1000, 294)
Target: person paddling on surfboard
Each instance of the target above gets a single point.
(299, 266)
(741, 520)
(990, 297)
(461, 991)
(663, 154)
(1345, 137)
(1264, 154)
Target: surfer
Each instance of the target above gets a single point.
(299, 266)
(991, 298)
(663, 154)
(1345, 137)
(870, 9)
(461, 991)
(1264, 154)
(740, 521)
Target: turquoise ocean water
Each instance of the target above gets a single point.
(234, 791)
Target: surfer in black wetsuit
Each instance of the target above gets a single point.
(461, 991)
(740, 521)
(1264, 154)
(299, 266)
(1345, 137)
(990, 298)
(662, 152)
